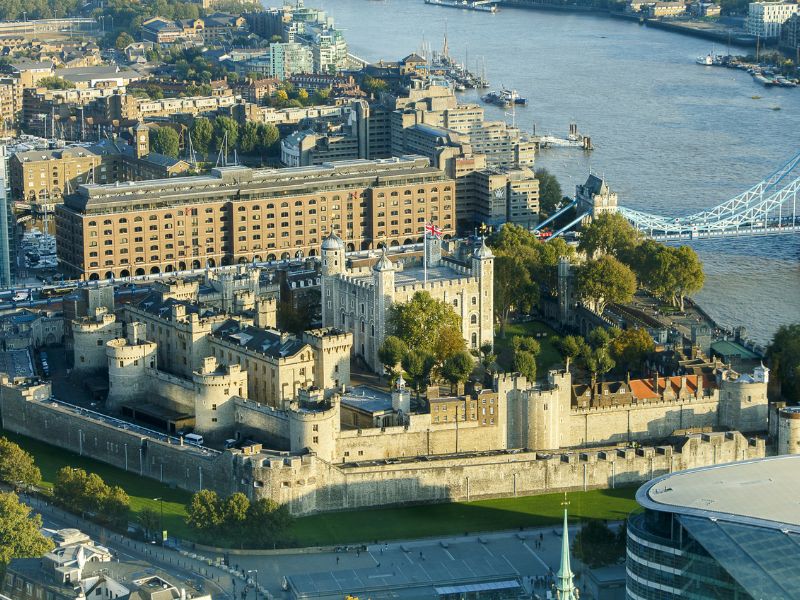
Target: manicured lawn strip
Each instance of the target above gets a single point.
(142, 491)
(457, 518)
(353, 526)
(548, 357)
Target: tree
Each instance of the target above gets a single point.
(630, 347)
(418, 366)
(267, 520)
(222, 126)
(165, 140)
(600, 337)
(605, 281)
(202, 133)
(249, 140)
(69, 488)
(422, 321)
(302, 95)
(116, 505)
(513, 287)
(525, 364)
(268, 136)
(571, 347)
(373, 85)
(391, 353)
(784, 358)
(550, 194)
(234, 519)
(608, 233)
(687, 273)
(204, 513)
(20, 535)
(457, 368)
(16, 466)
(123, 40)
(150, 521)
(597, 546)
(597, 361)
(55, 83)
(95, 494)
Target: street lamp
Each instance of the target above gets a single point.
(161, 519)
(256, 586)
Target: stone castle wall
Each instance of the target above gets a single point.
(639, 422)
(311, 485)
(156, 456)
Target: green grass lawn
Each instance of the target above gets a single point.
(353, 526)
(454, 519)
(142, 491)
(548, 357)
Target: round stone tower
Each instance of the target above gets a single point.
(789, 430)
(215, 387)
(314, 424)
(128, 360)
(89, 338)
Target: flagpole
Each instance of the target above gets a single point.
(425, 255)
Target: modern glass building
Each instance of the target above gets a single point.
(724, 532)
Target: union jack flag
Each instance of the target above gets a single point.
(431, 229)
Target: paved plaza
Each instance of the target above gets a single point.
(411, 569)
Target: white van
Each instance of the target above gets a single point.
(193, 438)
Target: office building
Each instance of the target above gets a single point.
(728, 531)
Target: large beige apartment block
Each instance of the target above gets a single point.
(240, 215)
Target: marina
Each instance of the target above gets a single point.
(765, 75)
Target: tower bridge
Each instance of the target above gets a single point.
(770, 207)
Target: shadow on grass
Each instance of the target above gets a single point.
(458, 518)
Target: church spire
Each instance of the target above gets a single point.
(565, 589)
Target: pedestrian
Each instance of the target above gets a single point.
(381, 550)
(378, 566)
(337, 560)
(420, 553)
(541, 536)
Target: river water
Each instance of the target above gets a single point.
(671, 137)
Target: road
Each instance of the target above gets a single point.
(214, 581)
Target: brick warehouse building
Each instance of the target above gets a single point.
(239, 215)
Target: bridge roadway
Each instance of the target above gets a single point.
(725, 233)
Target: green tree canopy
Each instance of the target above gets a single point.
(202, 132)
(418, 366)
(608, 233)
(392, 352)
(268, 138)
(605, 281)
(55, 82)
(234, 520)
(427, 325)
(373, 85)
(457, 368)
(550, 194)
(205, 512)
(525, 364)
(165, 140)
(17, 467)
(268, 521)
(248, 141)
(123, 40)
(223, 125)
(572, 347)
(784, 358)
(597, 546)
(19, 531)
(630, 348)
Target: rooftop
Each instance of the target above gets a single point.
(727, 348)
(760, 492)
(367, 399)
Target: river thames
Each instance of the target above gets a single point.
(670, 136)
